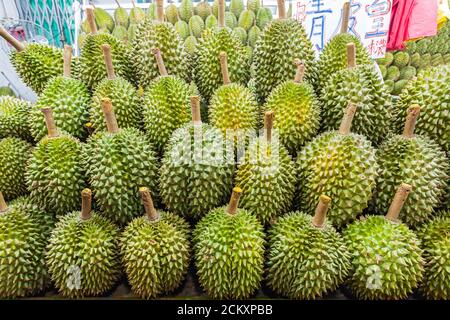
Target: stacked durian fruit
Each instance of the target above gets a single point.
(138, 160)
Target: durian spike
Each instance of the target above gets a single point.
(224, 67)
(108, 61)
(160, 10)
(3, 205)
(234, 201)
(399, 200)
(351, 55)
(321, 211)
(269, 117)
(347, 119)
(195, 108)
(300, 71)
(110, 117)
(67, 61)
(160, 62)
(147, 201)
(91, 19)
(50, 122)
(11, 40)
(140, 91)
(411, 118)
(345, 17)
(86, 204)
(221, 14)
(89, 127)
(281, 9)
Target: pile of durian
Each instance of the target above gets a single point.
(134, 162)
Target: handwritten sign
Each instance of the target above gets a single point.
(369, 21)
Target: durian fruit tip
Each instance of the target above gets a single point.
(86, 204)
(195, 109)
(347, 119)
(221, 14)
(67, 61)
(269, 118)
(108, 61)
(91, 19)
(3, 205)
(411, 118)
(351, 55)
(397, 203)
(345, 17)
(234, 201)
(147, 201)
(281, 9)
(50, 122)
(300, 71)
(160, 62)
(11, 40)
(110, 117)
(224, 67)
(321, 211)
(160, 10)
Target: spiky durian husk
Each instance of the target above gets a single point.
(69, 100)
(363, 87)
(166, 108)
(297, 114)
(267, 179)
(304, 261)
(207, 73)
(55, 175)
(343, 167)
(229, 253)
(280, 43)
(435, 242)
(430, 90)
(334, 57)
(14, 118)
(386, 259)
(155, 254)
(37, 64)
(117, 165)
(14, 154)
(92, 64)
(24, 232)
(83, 255)
(419, 162)
(153, 34)
(197, 171)
(125, 101)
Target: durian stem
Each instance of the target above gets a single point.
(86, 204)
(345, 17)
(300, 72)
(160, 10)
(118, 4)
(224, 68)
(67, 67)
(195, 108)
(107, 57)
(351, 55)
(221, 14)
(281, 9)
(3, 205)
(133, 3)
(160, 62)
(110, 117)
(411, 118)
(347, 119)
(399, 200)
(50, 122)
(234, 201)
(91, 19)
(11, 40)
(321, 211)
(269, 117)
(147, 201)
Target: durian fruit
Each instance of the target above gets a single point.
(298, 111)
(117, 162)
(183, 29)
(362, 86)
(307, 257)
(246, 19)
(121, 16)
(14, 154)
(7, 91)
(429, 90)
(281, 41)
(196, 26)
(137, 14)
(55, 174)
(171, 13)
(340, 164)
(211, 22)
(155, 250)
(103, 20)
(253, 5)
(120, 33)
(401, 59)
(385, 255)
(158, 34)
(417, 161)
(166, 105)
(263, 17)
(151, 11)
(69, 99)
(197, 168)
(266, 176)
(24, 232)
(83, 252)
(229, 251)
(127, 105)
(190, 45)
(207, 74)
(241, 34)
(203, 9)
(35, 63)
(186, 10)
(393, 73)
(230, 20)
(253, 35)
(236, 7)
(233, 108)
(435, 242)
(386, 60)
(14, 118)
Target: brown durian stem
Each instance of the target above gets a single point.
(86, 204)
(150, 210)
(399, 200)
(110, 117)
(234, 201)
(351, 55)
(345, 17)
(269, 117)
(411, 118)
(11, 40)
(195, 108)
(67, 66)
(281, 9)
(3, 205)
(160, 62)
(91, 19)
(160, 10)
(224, 68)
(221, 14)
(300, 72)
(50, 122)
(107, 57)
(321, 211)
(347, 119)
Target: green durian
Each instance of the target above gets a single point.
(80, 40)
(203, 9)
(389, 85)
(151, 11)
(253, 35)
(241, 34)
(211, 22)
(398, 86)
(14, 118)
(7, 91)
(437, 60)
(246, 19)
(236, 7)
(190, 45)
(422, 46)
(103, 19)
(182, 28)
(386, 60)
(186, 10)
(230, 20)
(263, 17)
(196, 26)
(171, 13)
(137, 14)
(131, 32)
(407, 73)
(215, 8)
(121, 33)
(383, 71)
(426, 60)
(401, 59)
(121, 16)
(415, 60)
(253, 5)
(393, 73)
